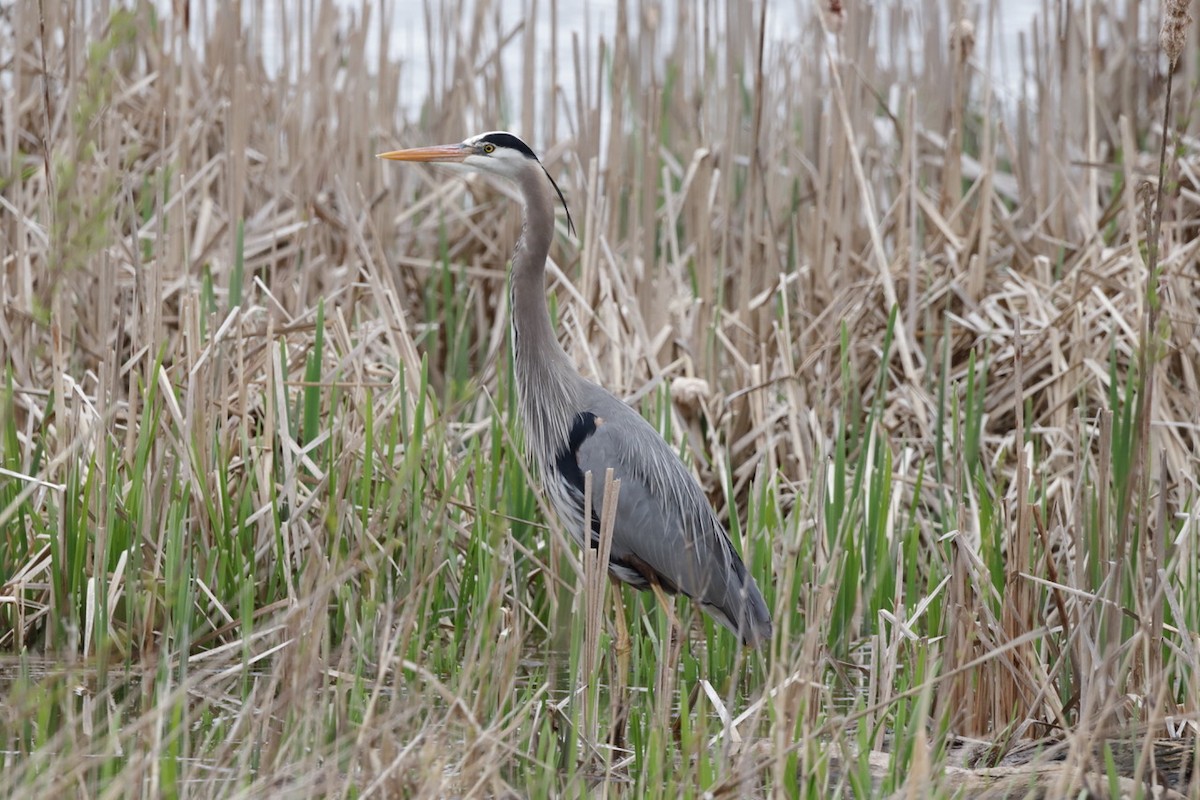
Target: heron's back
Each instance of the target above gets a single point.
(665, 530)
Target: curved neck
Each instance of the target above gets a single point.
(547, 384)
(535, 341)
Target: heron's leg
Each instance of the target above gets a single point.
(624, 644)
(623, 647)
(668, 607)
(664, 684)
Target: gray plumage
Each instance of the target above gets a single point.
(665, 530)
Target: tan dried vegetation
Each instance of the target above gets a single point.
(264, 527)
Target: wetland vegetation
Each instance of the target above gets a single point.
(929, 340)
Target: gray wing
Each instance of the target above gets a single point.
(665, 529)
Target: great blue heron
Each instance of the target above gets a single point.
(666, 536)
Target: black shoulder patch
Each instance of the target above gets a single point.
(567, 462)
(568, 457)
(502, 139)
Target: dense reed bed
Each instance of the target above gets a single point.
(265, 529)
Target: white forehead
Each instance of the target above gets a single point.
(480, 137)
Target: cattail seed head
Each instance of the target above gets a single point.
(1176, 20)
(962, 40)
(835, 16)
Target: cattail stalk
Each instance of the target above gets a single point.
(1172, 36)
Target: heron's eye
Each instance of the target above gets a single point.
(489, 148)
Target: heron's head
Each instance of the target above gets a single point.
(497, 152)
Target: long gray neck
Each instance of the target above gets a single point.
(547, 382)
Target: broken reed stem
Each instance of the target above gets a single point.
(595, 572)
(1018, 603)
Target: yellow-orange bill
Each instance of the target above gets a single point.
(441, 152)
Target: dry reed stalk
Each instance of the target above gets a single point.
(595, 570)
(961, 46)
(1016, 612)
